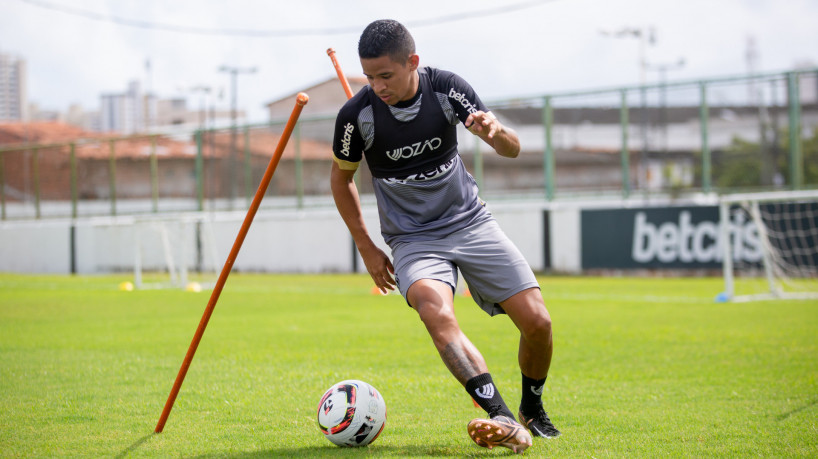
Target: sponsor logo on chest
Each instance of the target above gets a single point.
(415, 149)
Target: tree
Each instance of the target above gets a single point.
(745, 164)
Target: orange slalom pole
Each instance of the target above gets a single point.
(344, 82)
(301, 100)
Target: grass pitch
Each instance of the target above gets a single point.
(642, 368)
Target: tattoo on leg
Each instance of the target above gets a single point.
(458, 361)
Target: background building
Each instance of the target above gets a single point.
(123, 112)
(13, 95)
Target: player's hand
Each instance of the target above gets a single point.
(379, 268)
(486, 126)
(483, 124)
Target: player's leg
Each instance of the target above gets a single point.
(426, 278)
(434, 302)
(501, 281)
(528, 312)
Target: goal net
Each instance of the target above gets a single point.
(188, 251)
(770, 248)
(174, 250)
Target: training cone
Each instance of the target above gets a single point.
(722, 297)
(376, 291)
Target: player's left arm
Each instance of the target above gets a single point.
(500, 137)
(474, 114)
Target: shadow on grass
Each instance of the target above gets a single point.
(335, 451)
(797, 410)
(388, 451)
(135, 445)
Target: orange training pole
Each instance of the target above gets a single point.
(301, 100)
(344, 82)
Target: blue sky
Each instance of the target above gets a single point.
(536, 48)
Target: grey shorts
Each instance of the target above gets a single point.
(491, 264)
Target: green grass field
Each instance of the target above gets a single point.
(642, 368)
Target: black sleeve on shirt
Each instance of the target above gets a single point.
(462, 97)
(347, 142)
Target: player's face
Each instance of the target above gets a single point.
(392, 81)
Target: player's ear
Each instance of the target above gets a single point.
(414, 61)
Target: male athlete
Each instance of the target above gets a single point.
(404, 124)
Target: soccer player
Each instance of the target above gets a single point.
(404, 124)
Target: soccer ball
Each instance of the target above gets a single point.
(351, 413)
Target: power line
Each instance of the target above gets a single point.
(93, 15)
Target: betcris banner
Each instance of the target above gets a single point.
(667, 237)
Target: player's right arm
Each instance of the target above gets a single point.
(348, 146)
(348, 203)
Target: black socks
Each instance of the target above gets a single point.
(532, 394)
(482, 390)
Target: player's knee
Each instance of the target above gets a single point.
(437, 318)
(537, 329)
(440, 322)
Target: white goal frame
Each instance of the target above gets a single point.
(176, 253)
(770, 259)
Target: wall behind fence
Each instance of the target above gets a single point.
(278, 241)
(566, 237)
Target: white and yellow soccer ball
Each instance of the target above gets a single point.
(351, 413)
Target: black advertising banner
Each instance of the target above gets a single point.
(667, 237)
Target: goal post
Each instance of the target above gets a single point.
(170, 240)
(171, 250)
(769, 245)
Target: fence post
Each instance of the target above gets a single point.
(796, 153)
(704, 126)
(72, 164)
(299, 168)
(248, 167)
(548, 120)
(2, 186)
(624, 153)
(154, 176)
(112, 176)
(36, 172)
(478, 162)
(199, 166)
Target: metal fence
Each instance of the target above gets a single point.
(748, 132)
(751, 132)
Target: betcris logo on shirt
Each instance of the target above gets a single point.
(347, 139)
(417, 148)
(461, 99)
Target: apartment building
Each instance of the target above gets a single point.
(13, 94)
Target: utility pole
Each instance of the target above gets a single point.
(663, 69)
(205, 92)
(646, 36)
(231, 169)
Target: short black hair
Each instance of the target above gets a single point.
(386, 37)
